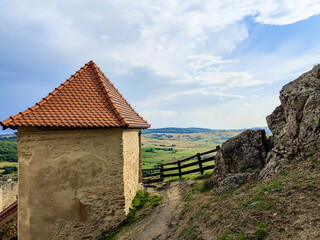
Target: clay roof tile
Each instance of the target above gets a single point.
(87, 99)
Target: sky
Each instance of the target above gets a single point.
(213, 64)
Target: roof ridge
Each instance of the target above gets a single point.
(87, 99)
(121, 95)
(110, 101)
(45, 99)
(51, 94)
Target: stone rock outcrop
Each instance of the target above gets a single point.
(233, 181)
(238, 158)
(295, 124)
(275, 163)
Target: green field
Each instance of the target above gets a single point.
(160, 148)
(2, 164)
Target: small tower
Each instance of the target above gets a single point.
(79, 152)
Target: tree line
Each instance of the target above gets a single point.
(8, 150)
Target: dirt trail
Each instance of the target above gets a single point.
(155, 227)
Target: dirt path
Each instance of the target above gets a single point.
(155, 227)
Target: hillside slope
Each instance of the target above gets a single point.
(286, 206)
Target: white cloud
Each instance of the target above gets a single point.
(182, 47)
(184, 96)
(104, 37)
(173, 31)
(219, 116)
(286, 11)
(204, 92)
(198, 62)
(159, 113)
(168, 37)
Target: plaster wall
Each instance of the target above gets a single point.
(72, 183)
(8, 194)
(131, 166)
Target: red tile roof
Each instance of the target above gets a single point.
(86, 100)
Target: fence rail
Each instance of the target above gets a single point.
(8, 210)
(161, 171)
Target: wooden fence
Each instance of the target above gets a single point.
(8, 210)
(159, 173)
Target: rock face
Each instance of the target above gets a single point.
(233, 181)
(244, 153)
(295, 126)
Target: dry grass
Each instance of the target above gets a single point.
(285, 207)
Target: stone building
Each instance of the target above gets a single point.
(79, 152)
(8, 194)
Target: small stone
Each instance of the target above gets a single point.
(275, 214)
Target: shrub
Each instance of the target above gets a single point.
(143, 199)
(261, 231)
(225, 237)
(205, 187)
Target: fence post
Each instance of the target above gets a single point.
(179, 165)
(200, 164)
(161, 172)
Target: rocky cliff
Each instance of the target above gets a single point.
(295, 127)
(295, 124)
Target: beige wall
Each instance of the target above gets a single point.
(131, 168)
(72, 183)
(8, 194)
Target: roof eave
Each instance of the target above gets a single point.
(144, 126)
(4, 127)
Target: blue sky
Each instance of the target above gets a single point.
(213, 64)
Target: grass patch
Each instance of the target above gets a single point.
(315, 163)
(227, 237)
(187, 197)
(2, 164)
(284, 172)
(205, 186)
(140, 201)
(144, 199)
(205, 175)
(261, 231)
(259, 199)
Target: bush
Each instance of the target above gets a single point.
(205, 186)
(261, 232)
(9, 169)
(144, 199)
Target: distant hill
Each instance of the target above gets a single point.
(7, 136)
(196, 130)
(172, 130)
(8, 148)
